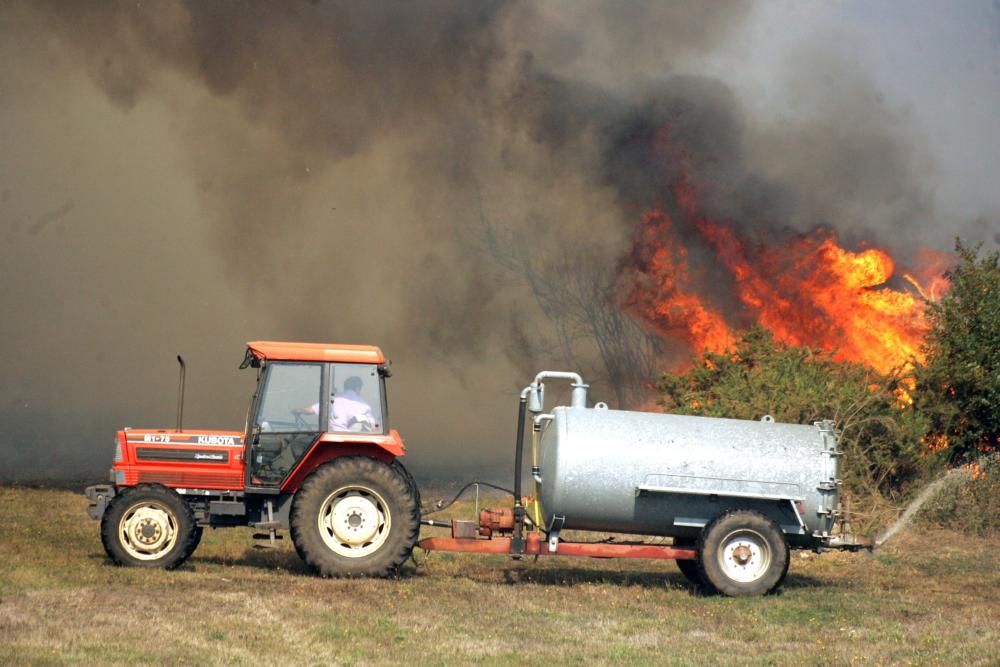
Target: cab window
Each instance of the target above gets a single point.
(355, 399)
(291, 398)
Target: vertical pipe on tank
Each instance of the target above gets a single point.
(517, 542)
(536, 513)
(536, 430)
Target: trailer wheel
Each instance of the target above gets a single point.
(743, 553)
(355, 516)
(689, 568)
(149, 526)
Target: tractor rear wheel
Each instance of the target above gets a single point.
(742, 552)
(149, 526)
(355, 516)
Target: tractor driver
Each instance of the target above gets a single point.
(348, 411)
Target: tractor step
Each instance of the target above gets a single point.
(266, 525)
(271, 526)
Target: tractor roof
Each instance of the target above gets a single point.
(359, 354)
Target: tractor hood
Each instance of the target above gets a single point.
(189, 459)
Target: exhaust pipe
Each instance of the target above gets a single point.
(180, 394)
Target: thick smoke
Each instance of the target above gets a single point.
(182, 177)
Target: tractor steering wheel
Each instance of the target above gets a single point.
(300, 420)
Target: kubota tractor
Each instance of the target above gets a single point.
(316, 457)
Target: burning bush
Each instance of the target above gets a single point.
(958, 385)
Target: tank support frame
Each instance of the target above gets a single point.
(535, 546)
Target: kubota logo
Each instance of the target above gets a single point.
(216, 440)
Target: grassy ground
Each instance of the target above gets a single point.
(927, 599)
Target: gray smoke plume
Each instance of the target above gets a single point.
(185, 176)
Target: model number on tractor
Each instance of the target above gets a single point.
(155, 437)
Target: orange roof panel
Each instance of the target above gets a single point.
(284, 351)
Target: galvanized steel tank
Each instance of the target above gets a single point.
(662, 474)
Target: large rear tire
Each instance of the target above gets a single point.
(743, 553)
(355, 516)
(149, 526)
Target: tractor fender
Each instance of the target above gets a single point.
(329, 446)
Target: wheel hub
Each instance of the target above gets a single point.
(148, 531)
(355, 520)
(742, 554)
(745, 556)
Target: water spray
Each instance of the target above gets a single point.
(926, 494)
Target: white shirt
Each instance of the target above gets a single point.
(347, 407)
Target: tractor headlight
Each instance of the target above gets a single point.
(118, 451)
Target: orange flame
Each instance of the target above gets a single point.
(675, 310)
(808, 291)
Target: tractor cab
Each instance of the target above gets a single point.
(309, 395)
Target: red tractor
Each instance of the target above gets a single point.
(316, 457)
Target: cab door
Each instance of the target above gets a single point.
(287, 419)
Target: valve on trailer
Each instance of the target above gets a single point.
(492, 523)
(496, 522)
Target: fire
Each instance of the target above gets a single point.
(935, 442)
(666, 295)
(808, 291)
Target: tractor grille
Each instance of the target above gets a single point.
(195, 480)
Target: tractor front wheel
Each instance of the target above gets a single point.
(355, 516)
(149, 526)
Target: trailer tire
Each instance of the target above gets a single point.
(355, 516)
(741, 553)
(149, 526)
(689, 568)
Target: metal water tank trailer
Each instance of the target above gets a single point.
(670, 475)
(733, 494)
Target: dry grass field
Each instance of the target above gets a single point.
(925, 599)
